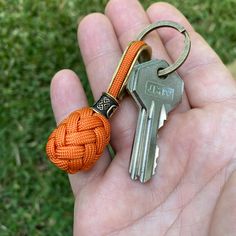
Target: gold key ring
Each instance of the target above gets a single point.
(183, 56)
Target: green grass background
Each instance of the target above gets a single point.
(38, 38)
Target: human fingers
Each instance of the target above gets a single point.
(206, 78)
(101, 53)
(67, 95)
(129, 19)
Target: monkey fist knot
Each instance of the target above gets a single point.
(78, 142)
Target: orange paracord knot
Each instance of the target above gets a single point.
(79, 140)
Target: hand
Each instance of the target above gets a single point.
(193, 191)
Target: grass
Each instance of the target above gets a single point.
(38, 38)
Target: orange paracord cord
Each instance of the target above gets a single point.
(124, 67)
(80, 139)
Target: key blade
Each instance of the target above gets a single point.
(135, 162)
(149, 152)
(156, 119)
(155, 160)
(162, 119)
(163, 116)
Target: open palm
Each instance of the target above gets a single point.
(193, 190)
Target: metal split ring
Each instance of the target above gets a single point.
(187, 43)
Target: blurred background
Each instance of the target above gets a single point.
(38, 38)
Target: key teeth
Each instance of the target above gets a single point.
(163, 116)
(162, 119)
(156, 160)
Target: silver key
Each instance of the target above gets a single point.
(155, 98)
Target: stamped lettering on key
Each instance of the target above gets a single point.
(158, 90)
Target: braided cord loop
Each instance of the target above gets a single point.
(79, 140)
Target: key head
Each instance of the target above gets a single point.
(146, 86)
